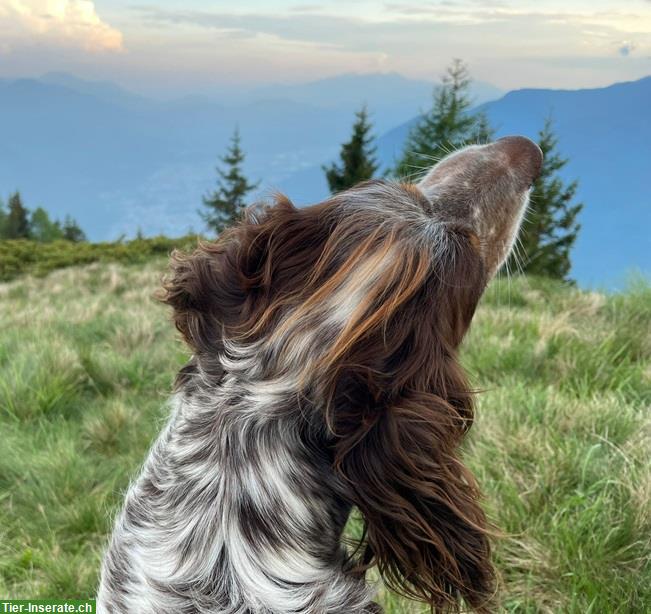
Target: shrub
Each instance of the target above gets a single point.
(23, 256)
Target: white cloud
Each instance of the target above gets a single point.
(506, 46)
(195, 45)
(67, 23)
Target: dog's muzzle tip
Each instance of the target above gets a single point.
(523, 152)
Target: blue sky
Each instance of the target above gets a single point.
(192, 46)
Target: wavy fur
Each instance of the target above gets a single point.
(324, 376)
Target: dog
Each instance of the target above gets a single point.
(324, 377)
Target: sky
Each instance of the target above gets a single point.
(192, 46)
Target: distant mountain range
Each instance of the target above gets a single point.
(117, 161)
(606, 134)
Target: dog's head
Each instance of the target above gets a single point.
(360, 303)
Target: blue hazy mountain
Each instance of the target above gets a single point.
(606, 134)
(385, 93)
(104, 90)
(118, 161)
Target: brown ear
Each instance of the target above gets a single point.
(398, 427)
(205, 290)
(235, 286)
(227, 287)
(425, 529)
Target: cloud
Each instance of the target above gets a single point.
(538, 46)
(195, 45)
(59, 23)
(407, 30)
(626, 48)
(433, 8)
(307, 8)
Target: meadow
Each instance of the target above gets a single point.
(561, 445)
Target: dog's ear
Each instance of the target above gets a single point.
(201, 287)
(424, 527)
(398, 425)
(223, 288)
(207, 289)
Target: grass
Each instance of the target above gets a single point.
(561, 446)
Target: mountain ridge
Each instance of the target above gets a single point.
(117, 161)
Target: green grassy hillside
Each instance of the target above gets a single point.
(21, 256)
(561, 446)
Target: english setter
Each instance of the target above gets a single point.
(325, 377)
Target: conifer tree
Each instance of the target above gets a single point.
(17, 222)
(551, 228)
(357, 157)
(3, 220)
(43, 229)
(72, 231)
(448, 125)
(482, 132)
(225, 205)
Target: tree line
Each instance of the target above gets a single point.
(18, 222)
(549, 231)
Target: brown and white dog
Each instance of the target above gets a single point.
(325, 377)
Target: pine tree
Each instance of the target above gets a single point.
(72, 231)
(43, 229)
(551, 227)
(3, 220)
(448, 125)
(357, 157)
(17, 223)
(225, 205)
(482, 132)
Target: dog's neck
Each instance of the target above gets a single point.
(236, 510)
